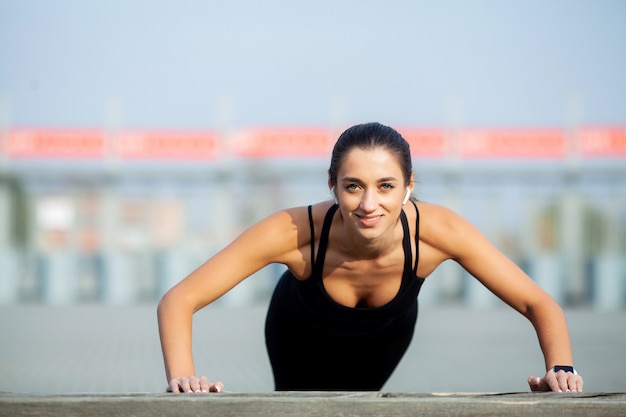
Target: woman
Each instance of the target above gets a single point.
(343, 314)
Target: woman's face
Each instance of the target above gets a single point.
(370, 189)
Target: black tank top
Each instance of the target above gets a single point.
(315, 343)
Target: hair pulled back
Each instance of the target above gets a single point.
(369, 136)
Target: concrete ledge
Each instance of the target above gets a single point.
(303, 404)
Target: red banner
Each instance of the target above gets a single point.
(289, 142)
(167, 145)
(283, 142)
(55, 143)
(425, 142)
(512, 143)
(605, 142)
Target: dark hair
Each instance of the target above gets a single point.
(369, 136)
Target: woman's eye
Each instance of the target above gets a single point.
(386, 186)
(352, 187)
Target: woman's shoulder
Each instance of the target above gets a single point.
(445, 229)
(439, 223)
(433, 212)
(297, 220)
(301, 215)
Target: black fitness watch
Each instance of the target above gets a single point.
(558, 368)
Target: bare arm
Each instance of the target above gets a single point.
(466, 245)
(274, 239)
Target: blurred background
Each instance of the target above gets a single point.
(139, 137)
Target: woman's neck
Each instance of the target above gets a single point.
(358, 246)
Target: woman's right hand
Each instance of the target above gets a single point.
(194, 384)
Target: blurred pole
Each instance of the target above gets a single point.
(9, 274)
(609, 272)
(5, 116)
(118, 283)
(548, 271)
(8, 262)
(117, 280)
(9, 282)
(6, 214)
(56, 220)
(571, 238)
(572, 206)
(59, 277)
(609, 267)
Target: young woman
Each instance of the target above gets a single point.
(343, 314)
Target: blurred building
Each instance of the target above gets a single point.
(97, 216)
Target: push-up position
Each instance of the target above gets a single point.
(343, 314)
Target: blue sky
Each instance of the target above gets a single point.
(211, 64)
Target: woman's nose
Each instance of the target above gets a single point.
(369, 201)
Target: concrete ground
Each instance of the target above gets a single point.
(103, 349)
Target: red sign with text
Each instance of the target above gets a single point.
(55, 143)
(425, 142)
(283, 142)
(605, 142)
(512, 143)
(166, 145)
(496, 143)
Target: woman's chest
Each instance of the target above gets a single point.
(363, 283)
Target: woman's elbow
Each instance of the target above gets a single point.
(172, 300)
(164, 305)
(542, 305)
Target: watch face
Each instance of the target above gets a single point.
(564, 368)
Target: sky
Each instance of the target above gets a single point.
(218, 64)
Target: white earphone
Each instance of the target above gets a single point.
(407, 196)
(332, 193)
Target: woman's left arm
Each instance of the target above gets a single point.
(505, 279)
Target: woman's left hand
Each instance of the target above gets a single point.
(560, 381)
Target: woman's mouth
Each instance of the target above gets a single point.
(369, 221)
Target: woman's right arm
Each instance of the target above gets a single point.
(274, 239)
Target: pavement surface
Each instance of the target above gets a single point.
(95, 349)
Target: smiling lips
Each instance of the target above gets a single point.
(369, 221)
